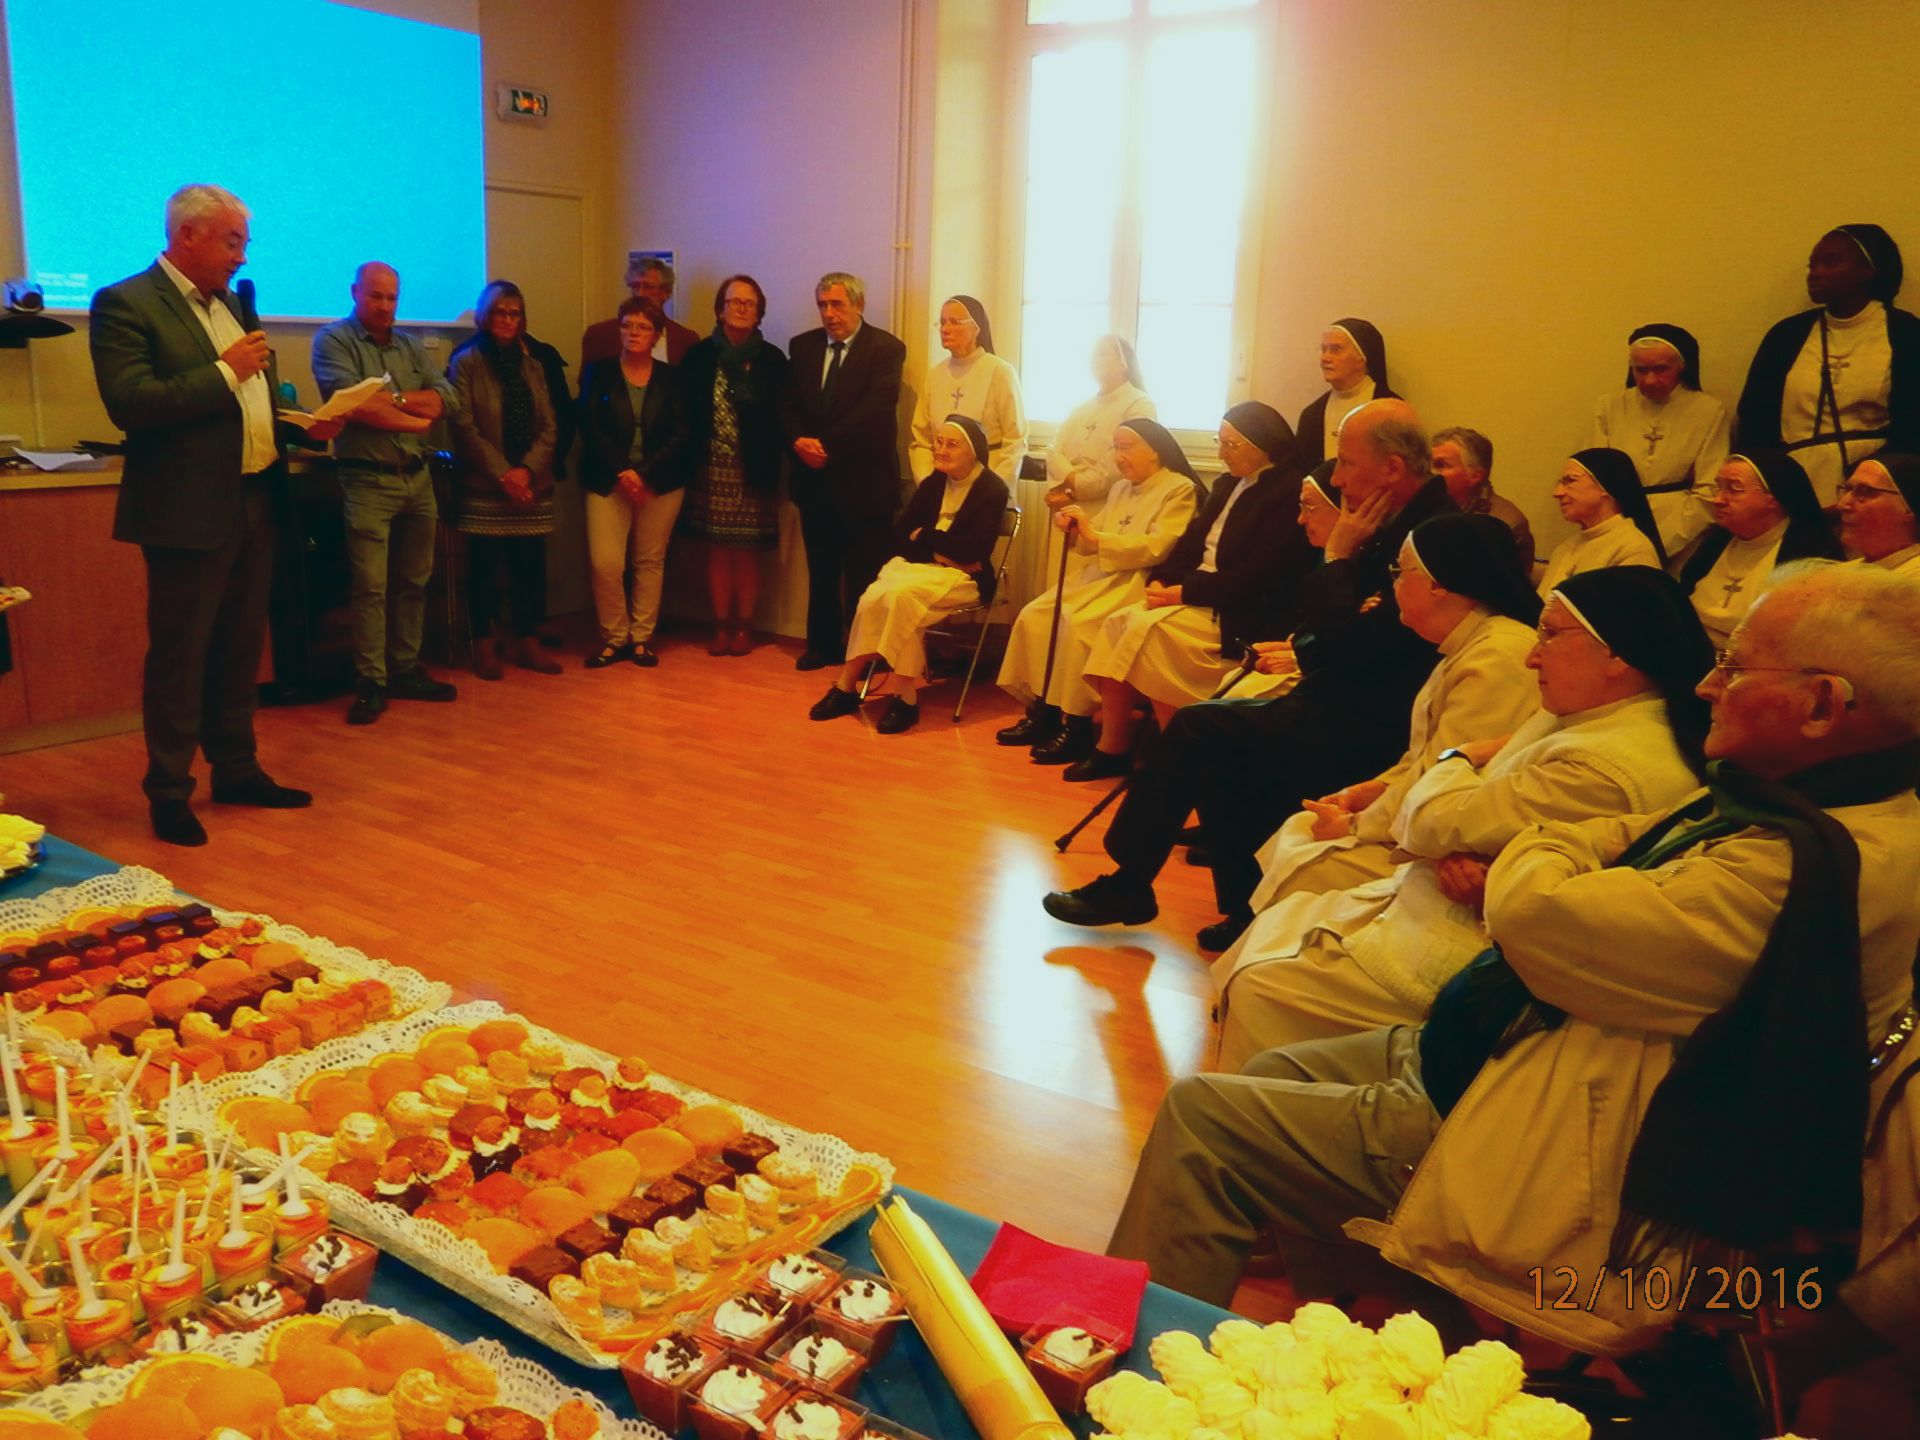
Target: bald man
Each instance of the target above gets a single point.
(386, 487)
(1245, 765)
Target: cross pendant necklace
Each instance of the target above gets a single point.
(1732, 588)
(1653, 435)
(957, 393)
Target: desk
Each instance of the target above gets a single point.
(907, 1387)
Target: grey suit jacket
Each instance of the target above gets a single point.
(155, 368)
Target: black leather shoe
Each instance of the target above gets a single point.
(264, 792)
(1104, 900)
(417, 684)
(369, 701)
(175, 823)
(1223, 932)
(816, 660)
(644, 656)
(1199, 855)
(1039, 725)
(1073, 743)
(609, 655)
(835, 703)
(898, 716)
(1097, 766)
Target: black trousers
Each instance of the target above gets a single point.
(513, 567)
(206, 630)
(844, 553)
(1244, 766)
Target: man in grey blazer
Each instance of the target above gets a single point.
(185, 371)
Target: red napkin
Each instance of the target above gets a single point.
(1024, 1280)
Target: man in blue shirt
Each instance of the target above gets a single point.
(387, 488)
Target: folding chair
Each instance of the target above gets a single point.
(979, 615)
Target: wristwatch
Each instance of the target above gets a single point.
(400, 399)
(1454, 752)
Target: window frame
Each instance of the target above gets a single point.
(1136, 29)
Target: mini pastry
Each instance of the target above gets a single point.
(812, 1417)
(504, 1422)
(659, 1377)
(508, 1069)
(735, 1390)
(578, 1303)
(575, 1420)
(620, 1282)
(692, 1246)
(635, 1212)
(333, 1267)
(444, 1093)
(746, 1321)
(725, 1201)
(793, 1177)
(359, 1414)
(257, 1303)
(543, 1057)
(359, 1176)
(587, 1238)
(497, 1194)
(496, 1146)
(704, 1172)
(543, 1264)
(420, 1402)
(710, 1127)
(410, 1114)
(728, 1232)
(820, 1358)
(470, 1381)
(481, 1087)
(590, 1092)
(399, 1185)
(675, 1197)
(799, 1277)
(762, 1202)
(653, 1256)
(746, 1153)
(864, 1301)
(302, 1422)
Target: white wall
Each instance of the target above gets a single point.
(1507, 190)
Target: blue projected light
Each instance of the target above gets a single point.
(351, 136)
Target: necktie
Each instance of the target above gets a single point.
(839, 348)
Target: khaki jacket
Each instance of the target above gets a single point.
(1526, 1172)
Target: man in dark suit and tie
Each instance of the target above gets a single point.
(185, 371)
(843, 389)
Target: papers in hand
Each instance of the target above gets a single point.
(12, 595)
(343, 401)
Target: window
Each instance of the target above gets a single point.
(1142, 119)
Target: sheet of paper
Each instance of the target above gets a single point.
(59, 459)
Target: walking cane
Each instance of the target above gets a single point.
(1059, 591)
(1246, 669)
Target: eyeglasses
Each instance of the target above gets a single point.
(1732, 490)
(1547, 634)
(1864, 492)
(744, 302)
(1725, 664)
(501, 312)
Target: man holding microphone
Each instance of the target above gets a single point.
(185, 371)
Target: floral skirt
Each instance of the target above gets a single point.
(721, 510)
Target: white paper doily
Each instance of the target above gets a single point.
(524, 1384)
(461, 1265)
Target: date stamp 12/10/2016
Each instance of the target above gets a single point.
(1678, 1288)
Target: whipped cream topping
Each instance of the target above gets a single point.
(795, 1274)
(734, 1390)
(820, 1356)
(864, 1301)
(181, 1334)
(745, 1317)
(326, 1255)
(673, 1357)
(257, 1298)
(1071, 1346)
(805, 1419)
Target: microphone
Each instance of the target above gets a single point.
(249, 313)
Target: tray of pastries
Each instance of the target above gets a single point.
(582, 1198)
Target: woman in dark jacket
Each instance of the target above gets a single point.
(1833, 384)
(632, 444)
(732, 382)
(943, 560)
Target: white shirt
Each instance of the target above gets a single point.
(1240, 487)
(1616, 540)
(258, 448)
(846, 349)
(1861, 358)
(1681, 442)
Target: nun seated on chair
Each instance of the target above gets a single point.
(1600, 491)
(1110, 552)
(943, 561)
(1234, 577)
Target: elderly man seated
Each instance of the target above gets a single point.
(1619, 732)
(1464, 459)
(1666, 1056)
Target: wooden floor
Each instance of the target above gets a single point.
(837, 927)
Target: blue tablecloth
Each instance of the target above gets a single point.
(906, 1387)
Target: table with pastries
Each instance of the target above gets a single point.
(363, 1113)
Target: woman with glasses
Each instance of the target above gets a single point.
(1765, 513)
(943, 560)
(731, 384)
(1877, 505)
(1234, 577)
(1836, 383)
(1600, 491)
(1619, 731)
(1674, 432)
(632, 441)
(505, 433)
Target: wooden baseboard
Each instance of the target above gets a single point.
(92, 727)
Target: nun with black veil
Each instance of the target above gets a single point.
(1674, 432)
(1353, 361)
(973, 381)
(1620, 731)
(942, 561)
(1833, 384)
(1765, 514)
(1599, 490)
(1234, 577)
(1114, 544)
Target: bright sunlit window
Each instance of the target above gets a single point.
(1140, 155)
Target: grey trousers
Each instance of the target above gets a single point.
(390, 533)
(1302, 1140)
